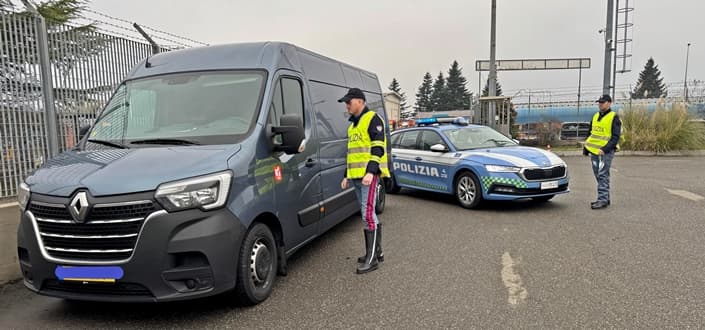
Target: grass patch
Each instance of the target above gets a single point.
(665, 129)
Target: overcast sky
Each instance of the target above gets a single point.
(406, 38)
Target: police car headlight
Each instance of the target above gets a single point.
(502, 169)
(206, 192)
(23, 196)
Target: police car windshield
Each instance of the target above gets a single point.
(198, 107)
(477, 137)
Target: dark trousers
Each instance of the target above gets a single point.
(601, 168)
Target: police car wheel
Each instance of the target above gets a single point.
(467, 190)
(381, 198)
(257, 266)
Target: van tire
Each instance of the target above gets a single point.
(468, 181)
(257, 266)
(381, 201)
(392, 186)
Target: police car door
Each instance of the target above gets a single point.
(432, 166)
(403, 149)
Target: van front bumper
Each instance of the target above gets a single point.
(177, 256)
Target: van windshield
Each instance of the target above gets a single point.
(198, 108)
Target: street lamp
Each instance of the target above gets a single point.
(685, 83)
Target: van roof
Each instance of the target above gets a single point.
(270, 56)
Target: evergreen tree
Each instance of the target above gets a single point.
(456, 87)
(395, 87)
(650, 84)
(486, 90)
(439, 96)
(423, 96)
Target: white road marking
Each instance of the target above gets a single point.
(2, 206)
(512, 281)
(686, 194)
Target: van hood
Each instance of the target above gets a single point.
(124, 171)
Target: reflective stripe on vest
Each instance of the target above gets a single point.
(360, 146)
(601, 133)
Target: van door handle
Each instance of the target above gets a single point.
(419, 159)
(311, 162)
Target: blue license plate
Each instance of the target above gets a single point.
(89, 274)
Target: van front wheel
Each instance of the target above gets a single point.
(257, 266)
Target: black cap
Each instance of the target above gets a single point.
(353, 93)
(604, 98)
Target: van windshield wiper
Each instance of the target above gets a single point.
(163, 141)
(107, 143)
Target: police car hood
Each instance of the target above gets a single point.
(514, 156)
(123, 171)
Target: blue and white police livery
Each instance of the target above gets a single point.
(474, 163)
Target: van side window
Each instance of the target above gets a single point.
(293, 97)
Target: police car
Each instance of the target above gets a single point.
(474, 163)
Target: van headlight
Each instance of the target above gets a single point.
(206, 192)
(502, 169)
(23, 196)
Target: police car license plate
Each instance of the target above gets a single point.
(549, 185)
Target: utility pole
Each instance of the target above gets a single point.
(609, 28)
(47, 83)
(492, 83)
(580, 87)
(685, 83)
(614, 53)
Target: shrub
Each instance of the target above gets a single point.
(665, 129)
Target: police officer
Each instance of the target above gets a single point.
(603, 142)
(366, 164)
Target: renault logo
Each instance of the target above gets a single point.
(79, 207)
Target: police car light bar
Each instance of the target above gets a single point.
(441, 121)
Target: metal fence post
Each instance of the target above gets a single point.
(47, 82)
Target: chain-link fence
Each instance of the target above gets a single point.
(84, 67)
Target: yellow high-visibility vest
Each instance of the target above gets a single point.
(601, 133)
(359, 147)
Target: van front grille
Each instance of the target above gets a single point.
(109, 233)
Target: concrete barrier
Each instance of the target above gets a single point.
(9, 266)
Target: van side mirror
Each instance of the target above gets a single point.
(291, 129)
(83, 131)
(439, 148)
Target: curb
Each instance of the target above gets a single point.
(682, 153)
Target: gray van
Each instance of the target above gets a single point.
(203, 173)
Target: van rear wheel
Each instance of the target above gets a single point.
(257, 266)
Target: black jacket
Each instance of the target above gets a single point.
(376, 132)
(616, 133)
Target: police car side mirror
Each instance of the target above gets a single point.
(292, 132)
(516, 141)
(439, 148)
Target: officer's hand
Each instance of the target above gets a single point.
(367, 180)
(602, 153)
(344, 185)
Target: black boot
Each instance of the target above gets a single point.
(370, 264)
(380, 254)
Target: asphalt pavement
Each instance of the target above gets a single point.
(638, 264)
